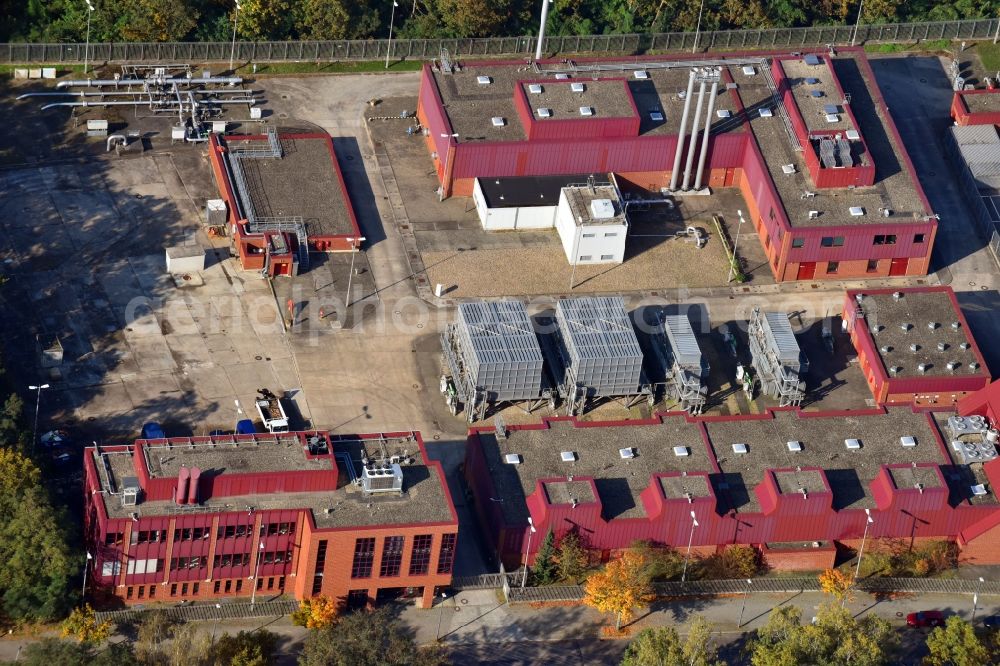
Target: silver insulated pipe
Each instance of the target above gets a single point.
(694, 135)
(704, 138)
(167, 104)
(680, 135)
(224, 80)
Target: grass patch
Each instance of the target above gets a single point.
(989, 55)
(279, 68)
(922, 46)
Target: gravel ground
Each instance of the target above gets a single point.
(659, 264)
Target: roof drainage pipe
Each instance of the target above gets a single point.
(694, 135)
(680, 136)
(224, 80)
(704, 138)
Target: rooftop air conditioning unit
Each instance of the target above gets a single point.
(832, 118)
(382, 479)
(852, 443)
(908, 442)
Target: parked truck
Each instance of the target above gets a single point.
(272, 413)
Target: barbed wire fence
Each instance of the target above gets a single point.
(486, 47)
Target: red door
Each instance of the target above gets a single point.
(807, 269)
(898, 267)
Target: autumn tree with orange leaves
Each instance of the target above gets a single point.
(620, 587)
(837, 584)
(316, 612)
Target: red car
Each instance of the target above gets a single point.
(930, 618)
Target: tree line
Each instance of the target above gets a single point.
(212, 20)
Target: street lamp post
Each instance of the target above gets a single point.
(746, 592)
(447, 152)
(975, 599)
(697, 30)
(356, 242)
(541, 29)
(256, 573)
(38, 400)
(86, 565)
(854, 34)
(687, 556)
(861, 551)
(86, 49)
(444, 596)
(232, 51)
(736, 244)
(392, 17)
(215, 626)
(527, 547)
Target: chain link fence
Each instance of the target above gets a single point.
(224, 611)
(425, 49)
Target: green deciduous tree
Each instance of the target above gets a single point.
(55, 652)
(572, 558)
(247, 648)
(663, 646)
(544, 569)
(36, 564)
(955, 644)
(264, 19)
(836, 637)
(368, 638)
(474, 18)
(322, 19)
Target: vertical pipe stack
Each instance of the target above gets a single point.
(680, 136)
(694, 135)
(704, 139)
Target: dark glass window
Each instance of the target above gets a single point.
(446, 557)
(420, 557)
(392, 556)
(364, 557)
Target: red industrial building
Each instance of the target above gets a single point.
(976, 107)
(285, 196)
(807, 139)
(304, 513)
(795, 484)
(914, 345)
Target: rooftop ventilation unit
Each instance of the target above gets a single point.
(896, 295)
(979, 489)
(562, 76)
(512, 459)
(811, 59)
(586, 111)
(131, 491)
(535, 88)
(788, 169)
(914, 348)
(794, 446)
(723, 113)
(942, 346)
(681, 451)
(740, 448)
(377, 478)
(544, 113)
(484, 80)
(765, 112)
(602, 209)
(641, 74)
(830, 109)
(953, 365)
(965, 346)
(933, 325)
(568, 456)
(885, 349)
(813, 214)
(811, 81)
(973, 366)
(749, 70)
(895, 370)
(832, 118)
(856, 211)
(816, 93)
(852, 135)
(906, 326)
(627, 453)
(852, 443)
(908, 442)
(498, 121)
(956, 325)
(656, 116)
(922, 368)
(577, 87)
